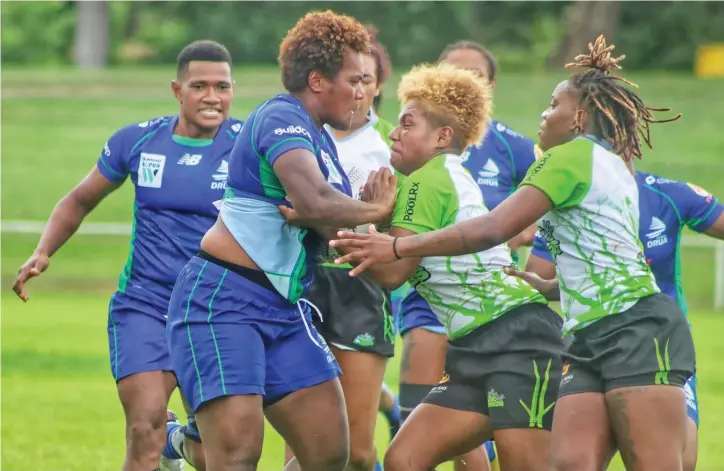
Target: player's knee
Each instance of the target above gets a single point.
(333, 460)
(572, 460)
(147, 433)
(399, 459)
(362, 458)
(411, 395)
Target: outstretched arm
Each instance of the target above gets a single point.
(64, 221)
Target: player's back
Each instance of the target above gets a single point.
(499, 163)
(177, 182)
(250, 208)
(666, 207)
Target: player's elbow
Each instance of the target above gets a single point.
(313, 206)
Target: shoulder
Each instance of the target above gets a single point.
(143, 128)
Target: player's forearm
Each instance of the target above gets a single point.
(550, 290)
(64, 221)
(471, 236)
(336, 209)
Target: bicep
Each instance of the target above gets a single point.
(517, 213)
(93, 188)
(299, 174)
(717, 229)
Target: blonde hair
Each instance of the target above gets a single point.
(456, 97)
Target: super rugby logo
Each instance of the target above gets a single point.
(150, 170)
(293, 130)
(411, 200)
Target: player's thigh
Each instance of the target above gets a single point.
(136, 337)
(581, 438)
(233, 431)
(434, 434)
(313, 423)
(361, 381)
(423, 356)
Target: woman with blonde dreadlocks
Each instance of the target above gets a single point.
(632, 351)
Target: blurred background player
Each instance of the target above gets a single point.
(498, 164)
(178, 165)
(241, 296)
(632, 351)
(355, 313)
(665, 208)
(504, 341)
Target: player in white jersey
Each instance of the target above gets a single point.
(355, 314)
(632, 351)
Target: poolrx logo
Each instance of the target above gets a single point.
(411, 200)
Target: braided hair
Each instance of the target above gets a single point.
(618, 113)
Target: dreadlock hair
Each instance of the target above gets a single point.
(618, 113)
(382, 62)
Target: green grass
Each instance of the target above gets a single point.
(60, 408)
(61, 412)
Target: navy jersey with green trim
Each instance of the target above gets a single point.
(178, 184)
(665, 208)
(499, 163)
(250, 211)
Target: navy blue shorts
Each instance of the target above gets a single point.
(415, 312)
(136, 337)
(230, 336)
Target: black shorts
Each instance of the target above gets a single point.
(508, 369)
(356, 312)
(648, 344)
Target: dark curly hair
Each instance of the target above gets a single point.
(317, 42)
(617, 112)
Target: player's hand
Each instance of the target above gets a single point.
(544, 287)
(35, 265)
(364, 249)
(381, 190)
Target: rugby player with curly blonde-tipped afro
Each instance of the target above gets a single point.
(632, 352)
(244, 346)
(502, 336)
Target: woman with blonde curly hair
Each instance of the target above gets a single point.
(503, 358)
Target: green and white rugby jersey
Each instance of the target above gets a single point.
(592, 231)
(468, 291)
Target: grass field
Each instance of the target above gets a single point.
(59, 406)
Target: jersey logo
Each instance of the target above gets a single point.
(190, 159)
(293, 130)
(220, 176)
(699, 190)
(150, 170)
(334, 176)
(236, 127)
(489, 174)
(656, 236)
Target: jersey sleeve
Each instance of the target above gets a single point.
(113, 161)
(279, 129)
(540, 249)
(563, 174)
(698, 208)
(421, 203)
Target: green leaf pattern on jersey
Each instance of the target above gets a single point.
(466, 291)
(600, 264)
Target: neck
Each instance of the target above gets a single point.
(186, 129)
(307, 102)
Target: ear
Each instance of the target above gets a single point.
(176, 88)
(444, 136)
(316, 81)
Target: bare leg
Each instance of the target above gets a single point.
(313, 421)
(581, 439)
(650, 424)
(144, 397)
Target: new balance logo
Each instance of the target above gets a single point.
(190, 159)
(656, 236)
(489, 174)
(220, 176)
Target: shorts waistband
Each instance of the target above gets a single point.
(255, 276)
